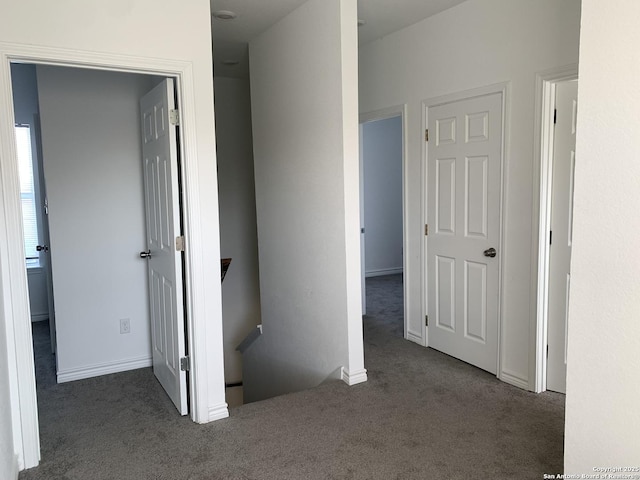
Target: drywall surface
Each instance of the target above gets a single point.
(91, 146)
(602, 415)
(305, 126)
(382, 156)
(25, 92)
(475, 44)
(38, 304)
(238, 234)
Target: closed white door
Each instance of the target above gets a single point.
(564, 160)
(464, 189)
(164, 261)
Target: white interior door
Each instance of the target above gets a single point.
(45, 261)
(464, 190)
(363, 278)
(564, 147)
(44, 240)
(162, 208)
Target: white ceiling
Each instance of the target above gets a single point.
(381, 17)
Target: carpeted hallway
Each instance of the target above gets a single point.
(421, 415)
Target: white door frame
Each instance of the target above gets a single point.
(543, 163)
(14, 300)
(383, 114)
(503, 89)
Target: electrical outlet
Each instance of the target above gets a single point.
(125, 325)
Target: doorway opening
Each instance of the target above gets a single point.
(556, 104)
(383, 212)
(92, 199)
(15, 299)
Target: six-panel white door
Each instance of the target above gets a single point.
(464, 173)
(162, 209)
(564, 159)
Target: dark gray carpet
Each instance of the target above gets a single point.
(421, 415)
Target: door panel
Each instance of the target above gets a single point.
(445, 293)
(160, 163)
(446, 195)
(464, 172)
(475, 294)
(561, 225)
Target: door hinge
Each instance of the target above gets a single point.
(184, 364)
(426, 320)
(550, 237)
(426, 229)
(180, 243)
(547, 350)
(555, 116)
(426, 135)
(174, 116)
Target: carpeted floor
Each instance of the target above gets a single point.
(421, 415)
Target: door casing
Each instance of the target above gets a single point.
(543, 162)
(504, 90)
(14, 299)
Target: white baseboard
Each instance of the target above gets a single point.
(354, 378)
(383, 271)
(514, 379)
(96, 370)
(218, 412)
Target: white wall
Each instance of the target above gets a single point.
(238, 234)
(129, 30)
(92, 147)
(478, 43)
(602, 415)
(305, 125)
(382, 157)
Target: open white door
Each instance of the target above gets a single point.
(363, 278)
(464, 190)
(44, 240)
(564, 159)
(162, 208)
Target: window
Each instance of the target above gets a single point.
(27, 194)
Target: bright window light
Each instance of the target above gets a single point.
(27, 194)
